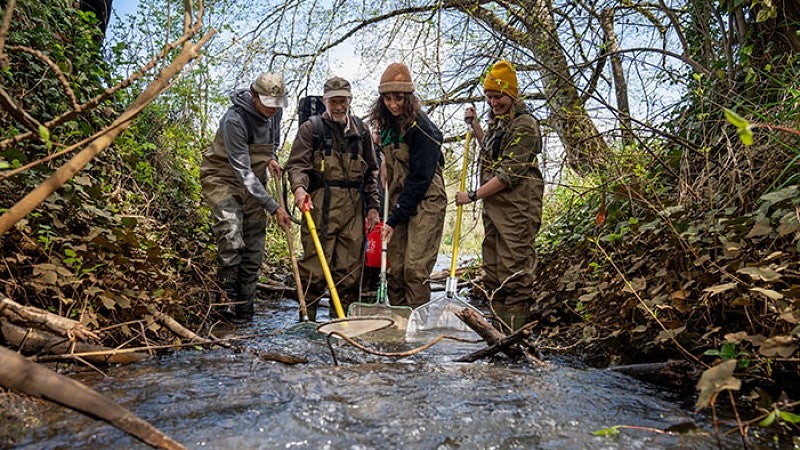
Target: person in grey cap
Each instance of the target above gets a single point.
(233, 175)
(332, 166)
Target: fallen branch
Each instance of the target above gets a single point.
(673, 374)
(282, 358)
(149, 348)
(29, 341)
(25, 376)
(177, 328)
(31, 316)
(498, 342)
(442, 275)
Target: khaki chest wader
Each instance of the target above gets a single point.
(337, 183)
(415, 245)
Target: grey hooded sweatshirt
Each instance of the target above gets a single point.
(244, 144)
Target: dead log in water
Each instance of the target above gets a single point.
(24, 376)
(30, 341)
(45, 320)
(513, 346)
(674, 374)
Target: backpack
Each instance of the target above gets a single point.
(309, 106)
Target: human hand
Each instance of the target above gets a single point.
(300, 195)
(470, 115)
(386, 233)
(372, 218)
(283, 218)
(274, 168)
(462, 198)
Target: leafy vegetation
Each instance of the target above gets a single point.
(681, 241)
(125, 234)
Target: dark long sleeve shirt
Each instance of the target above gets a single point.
(425, 152)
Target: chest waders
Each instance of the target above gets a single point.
(323, 137)
(415, 244)
(239, 224)
(438, 316)
(511, 219)
(336, 182)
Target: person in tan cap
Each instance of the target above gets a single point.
(412, 173)
(511, 188)
(332, 165)
(233, 173)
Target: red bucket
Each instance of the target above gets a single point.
(373, 250)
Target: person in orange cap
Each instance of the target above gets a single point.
(412, 173)
(511, 188)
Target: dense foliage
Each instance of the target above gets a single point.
(683, 242)
(126, 233)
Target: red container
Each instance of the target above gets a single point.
(373, 250)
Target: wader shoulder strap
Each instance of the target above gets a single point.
(323, 139)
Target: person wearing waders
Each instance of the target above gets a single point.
(332, 161)
(233, 174)
(511, 188)
(412, 170)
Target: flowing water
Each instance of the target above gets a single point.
(224, 399)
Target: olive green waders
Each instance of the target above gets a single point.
(414, 245)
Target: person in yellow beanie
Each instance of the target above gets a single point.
(411, 170)
(502, 78)
(511, 188)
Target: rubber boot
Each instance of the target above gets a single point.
(245, 306)
(226, 279)
(243, 311)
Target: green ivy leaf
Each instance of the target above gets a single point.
(610, 431)
(735, 119)
(767, 421)
(743, 128)
(44, 134)
(788, 417)
(745, 135)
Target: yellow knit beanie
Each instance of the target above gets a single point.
(502, 78)
(396, 78)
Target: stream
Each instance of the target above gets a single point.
(224, 399)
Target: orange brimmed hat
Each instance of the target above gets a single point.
(502, 78)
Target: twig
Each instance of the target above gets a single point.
(398, 355)
(9, 13)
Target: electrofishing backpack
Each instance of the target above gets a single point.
(309, 106)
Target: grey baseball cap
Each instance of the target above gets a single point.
(271, 90)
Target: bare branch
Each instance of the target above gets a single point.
(6, 24)
(161, 82)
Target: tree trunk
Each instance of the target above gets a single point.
(620, 85)
(585, 147)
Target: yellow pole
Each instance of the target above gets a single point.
(337, 305)
(461, 187)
